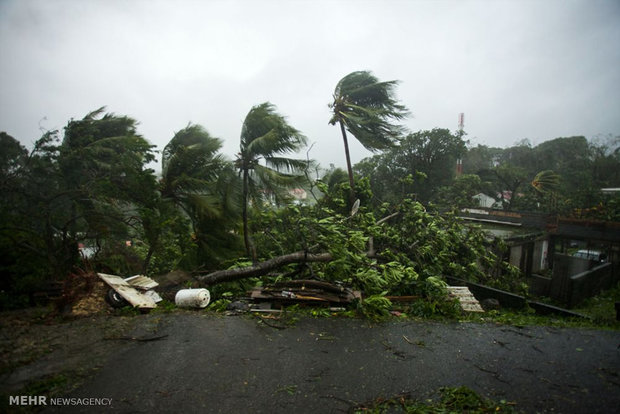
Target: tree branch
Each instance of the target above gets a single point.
(262, 268)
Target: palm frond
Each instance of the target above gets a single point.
(286, 165)
(94, 114)
(546, 181)
(367, 108)
(266, 133)
(204, 205)
(269, 177)
(191, 137)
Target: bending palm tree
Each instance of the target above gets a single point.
(190, 168)
(198, 181)
(546, 181)
(267, 136)
(547, 184)
(366, 108)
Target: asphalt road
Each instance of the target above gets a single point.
(213, 364)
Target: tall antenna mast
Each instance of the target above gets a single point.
(459, 161)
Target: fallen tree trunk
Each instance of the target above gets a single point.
(262, 268)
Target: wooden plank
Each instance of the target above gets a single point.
(296, 294)
(141, 282)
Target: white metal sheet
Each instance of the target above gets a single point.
(128, 292)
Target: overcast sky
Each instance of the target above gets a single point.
(517, 69)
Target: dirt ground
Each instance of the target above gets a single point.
(57, 346)
(35, 346)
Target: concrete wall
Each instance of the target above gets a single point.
(510, 300)
(576, 279)
(539, 285)
(590, 283)
(515, 256)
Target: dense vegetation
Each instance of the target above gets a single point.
(85, 197)
(563, 175)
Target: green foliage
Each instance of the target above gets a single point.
(166, 243)
(546, 181)
(265, 138)
(433, 308)
(566, 173)
(410, 254)
(119, 259)
(460, 193)
(375, 307)
(70, 189)
(421, 164)
(463, 399)
(89, 184)
(164, 306)
(48, 386)
(367, 108)
(127, 311)
(601, 308)
(451, 400)
(198, 212)
(219, 305)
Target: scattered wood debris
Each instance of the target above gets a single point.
(305, 291)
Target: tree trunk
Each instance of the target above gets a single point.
(249, 247)
(349, 169)
(147, 259)
(262, 268)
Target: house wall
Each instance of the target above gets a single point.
(484, 200)
(529, 255)
(515, 255)
(541, 249)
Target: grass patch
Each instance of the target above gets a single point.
(50, 386)
(527, 317)
(451, 400)
(601, 308)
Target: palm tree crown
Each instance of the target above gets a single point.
(367, 109)
(265, 138)
(191, 166)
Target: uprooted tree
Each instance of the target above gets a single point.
(396, 250)
(94, 189)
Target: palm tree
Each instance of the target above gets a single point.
(199, 182)
(190, 167)
(265, 138)
(366, 108)
(546, 183)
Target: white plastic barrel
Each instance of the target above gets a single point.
(192, 298)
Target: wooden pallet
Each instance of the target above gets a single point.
(466, 299)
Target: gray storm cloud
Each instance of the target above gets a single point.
(517, 69)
